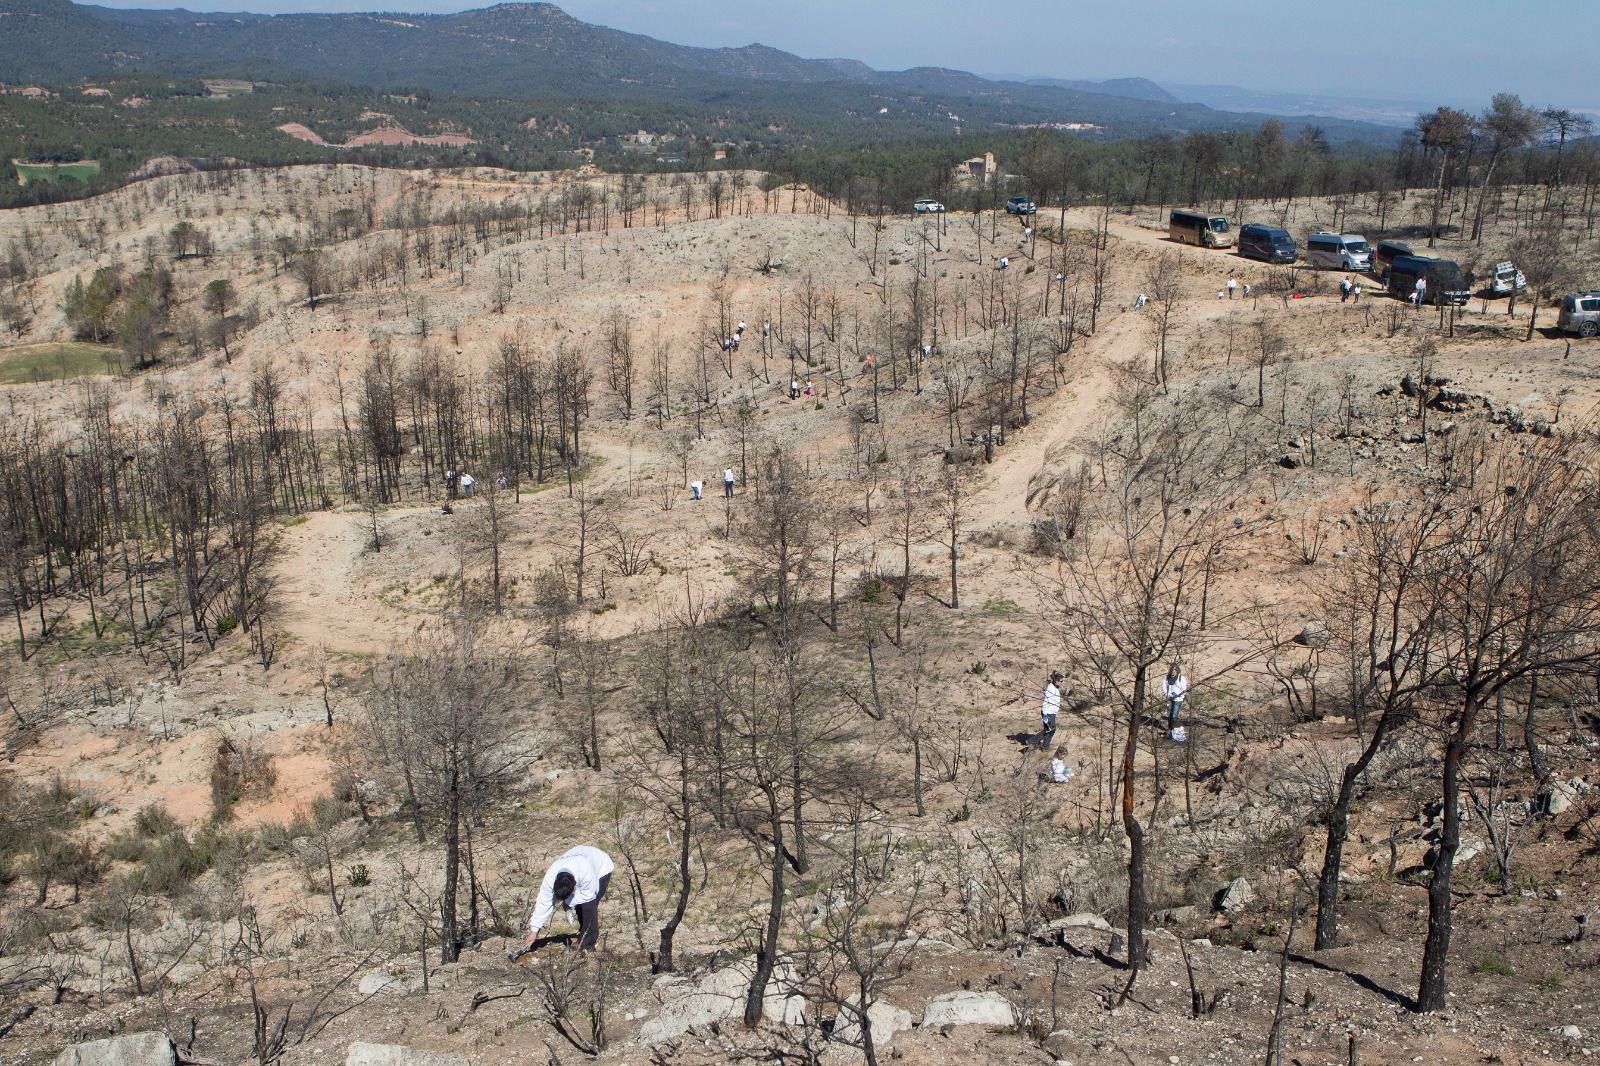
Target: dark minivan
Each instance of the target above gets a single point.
(1385, 253)
(1447, 282)
(1267, 243)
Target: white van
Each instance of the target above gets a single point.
(1338, 251)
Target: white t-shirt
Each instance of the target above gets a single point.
(727, 476)
(1175, 689)
(1052, 700)
(1060, 772)
(587, 865)
(696, 486)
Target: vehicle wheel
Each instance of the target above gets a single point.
(1588, 329)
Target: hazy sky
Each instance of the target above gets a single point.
(1448, 51)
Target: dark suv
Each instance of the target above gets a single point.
(1385, 253)
(1267, 243)
(1447, 282)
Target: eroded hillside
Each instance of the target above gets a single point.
(278, 678)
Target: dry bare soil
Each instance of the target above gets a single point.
(1328, 426)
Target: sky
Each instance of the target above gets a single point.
(1457, 52)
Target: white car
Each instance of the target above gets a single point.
(925, 206)
(1507, 277)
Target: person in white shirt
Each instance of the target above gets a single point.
(1060, 772)
(1174, 687)
(695, 487)
(727, 483)
(466, 482)
(1233, 287)
(578, 882)
(1049, 708)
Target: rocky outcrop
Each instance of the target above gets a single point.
(364, 1054)
(131, 1049)
(1235, 896)
(969, 1008)
(719, 996)
(887, 1019)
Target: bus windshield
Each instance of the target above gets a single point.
(1219, 225)
(1358, 247)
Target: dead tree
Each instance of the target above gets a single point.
(1132, 598)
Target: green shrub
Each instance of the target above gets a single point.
(237, 771)
(154, 821)
(124, 847)
(1493, 964)
(358, 876)
(328, 811)
(170, 865)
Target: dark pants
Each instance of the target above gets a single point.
(1048, 733)
(589, 917)
(727, 488)
(1174, 711)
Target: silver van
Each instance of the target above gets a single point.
(1338, 251)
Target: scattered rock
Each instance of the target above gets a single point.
(1235, 896)
(132, 1049)
(377, 981)
(1312, 635)
(1084, 920)
(1176, 915)
(1288, 462)
(1559, 799)
(719, 996)
(887, 1019)
(365, 1054)
(969, 1008)
(1571, 1032)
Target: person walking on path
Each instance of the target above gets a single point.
(1049, 708)
(1344, 289)
(1233, 286)
(1175, 686)
(577, 881)
(727, 483)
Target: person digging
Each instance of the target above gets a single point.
(577, 881)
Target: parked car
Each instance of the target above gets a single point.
(1020, 205)
(1580, 314)
(927, 206)
(1447, 282)
(1506, 278)
(1338, 251)
(1267, 243)
(1385, 253)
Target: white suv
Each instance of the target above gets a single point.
(926, 206)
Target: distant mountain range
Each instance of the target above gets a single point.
(537, 50)
(1384, 112)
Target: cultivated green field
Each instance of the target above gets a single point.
(55, 361)
(82, 170)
